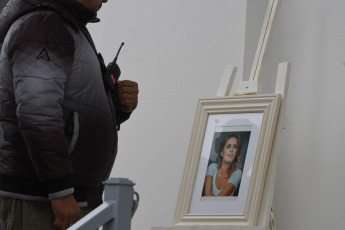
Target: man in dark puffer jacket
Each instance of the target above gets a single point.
(59, 122)
(2, 5)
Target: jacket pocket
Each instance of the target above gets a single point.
(75, 134)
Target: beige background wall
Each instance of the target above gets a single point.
(177, 51)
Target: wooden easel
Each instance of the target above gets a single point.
(265, 220)
(266, 215)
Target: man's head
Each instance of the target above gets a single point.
(93, 5)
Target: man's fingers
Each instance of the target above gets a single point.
(66, 222)
(128, 94)
(128, 87)
(66, 211)
(58, 222)
(130, 90)
(74, 219)
(129, 83)
(128, 97)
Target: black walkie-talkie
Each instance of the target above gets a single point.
(112, 75)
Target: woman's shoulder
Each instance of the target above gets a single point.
(238, 172)
(211, 169)
(213, 165)
(235, 177)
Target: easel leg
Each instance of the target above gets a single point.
(227, 81)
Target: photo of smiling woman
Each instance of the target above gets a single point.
(224, 175)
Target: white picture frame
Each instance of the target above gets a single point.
(254, 117)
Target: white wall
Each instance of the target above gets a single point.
(177, 51)
(310, 185)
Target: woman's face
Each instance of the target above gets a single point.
(229, 151)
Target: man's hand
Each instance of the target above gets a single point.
(66, 211)
(128, 93)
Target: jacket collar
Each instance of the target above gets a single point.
(75, 10)
(71, 10)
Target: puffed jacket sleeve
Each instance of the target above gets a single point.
(41, 52)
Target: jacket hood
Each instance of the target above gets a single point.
(71, 10)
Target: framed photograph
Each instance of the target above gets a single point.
(227, 160)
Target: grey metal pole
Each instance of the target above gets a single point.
(121, 190)
(117, 209)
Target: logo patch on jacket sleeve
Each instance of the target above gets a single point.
(43, 55)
